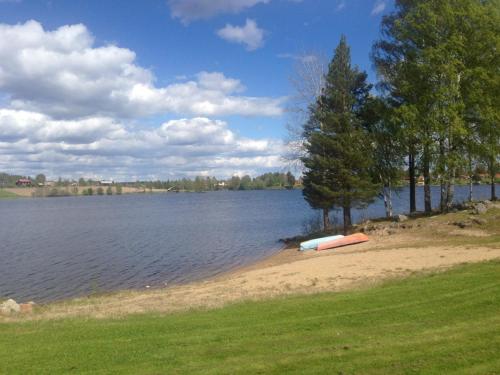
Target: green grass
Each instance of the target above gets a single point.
(7, 194)
(435, 324)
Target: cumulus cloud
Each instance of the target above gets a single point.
(379, 7)
(103, 147)
(191, 10)
(39, 128)
(63, 74)
(71, 108)
(249, 34)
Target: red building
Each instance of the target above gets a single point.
(24, 182)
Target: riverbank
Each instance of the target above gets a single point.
(41, 192)
(6, 194)
(395, 250)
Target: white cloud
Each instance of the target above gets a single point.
(37, 127)
(379, 7)
(71, 108)
(191, 10)
(305, 58)
(340, 5)
(63, 74)
(250, 34)
(31, 142)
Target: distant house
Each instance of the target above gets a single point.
(24, 182)
(106, 182)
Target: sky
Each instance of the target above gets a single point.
(162, 89)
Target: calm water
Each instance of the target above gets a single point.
(56, 248)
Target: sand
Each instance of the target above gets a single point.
(429, 244)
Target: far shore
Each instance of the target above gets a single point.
(36, 192)
(395, 250)
(65, 191)
(79, 191)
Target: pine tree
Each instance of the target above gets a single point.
(316, 189)
(338, 159)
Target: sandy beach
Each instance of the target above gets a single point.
(394, 250)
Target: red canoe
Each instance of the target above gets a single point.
(344, 241)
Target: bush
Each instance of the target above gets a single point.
(118, 189)
(100, 191)
(109, 191)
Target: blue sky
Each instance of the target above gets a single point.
(225, 54)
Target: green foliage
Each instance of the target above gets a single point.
(40, 179)
(437, 324)
(7, 180)
(100, 191)
(338, 156)
(88, 191)
(109, 191)
(439, 64)
(7, 194)
(118, 189)
(53, 192)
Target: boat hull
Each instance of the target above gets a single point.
(313, 244)
(345, 241)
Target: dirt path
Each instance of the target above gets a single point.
(425, 244)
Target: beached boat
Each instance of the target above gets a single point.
(313, 244)
(346, 240)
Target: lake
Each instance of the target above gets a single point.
(55, 248)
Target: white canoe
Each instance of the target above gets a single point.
(313, 244)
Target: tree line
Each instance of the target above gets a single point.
(271, 180)
(436, 111)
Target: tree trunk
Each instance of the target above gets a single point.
(427, 184)
(390, 199)
(443, 199)
(492, 176)
(326, 219)
(471, 175)
(411, 171)
(493, 193)
(443, 181)
(450, 190)
(470, 189)
(386, 202)
(347, 219)
(387, 194)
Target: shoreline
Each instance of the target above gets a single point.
(34, 192)
(395, 250)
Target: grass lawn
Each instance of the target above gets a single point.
(7, 194)
(434, 324)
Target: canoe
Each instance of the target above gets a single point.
(313, 244)
(347, 240)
